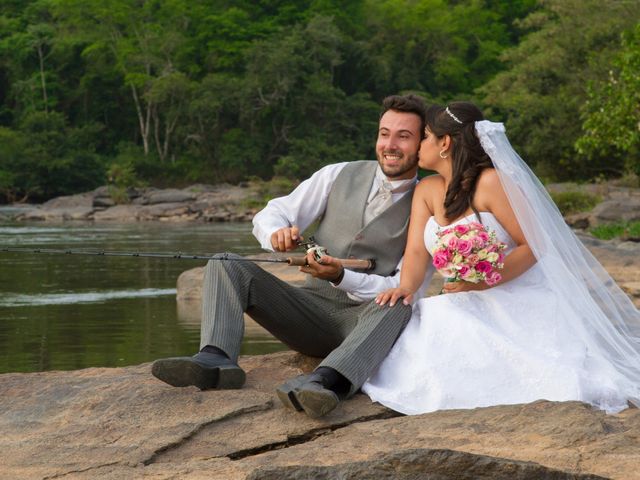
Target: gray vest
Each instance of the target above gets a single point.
(341, 228)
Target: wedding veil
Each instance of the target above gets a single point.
(600, 311)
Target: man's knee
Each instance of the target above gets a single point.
(399, 313)
(226, 263)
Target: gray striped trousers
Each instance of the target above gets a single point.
(315, 319)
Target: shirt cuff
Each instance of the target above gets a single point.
(349, 281)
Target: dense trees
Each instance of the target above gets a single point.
(171, 91)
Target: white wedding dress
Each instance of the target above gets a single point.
(512, 343)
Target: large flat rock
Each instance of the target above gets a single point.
(123, 423)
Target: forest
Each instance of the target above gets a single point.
(176, 92)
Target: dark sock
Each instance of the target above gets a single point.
(214, 350)
(333, 380)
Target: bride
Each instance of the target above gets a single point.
(555, 327)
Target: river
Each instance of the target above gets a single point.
(62, 312)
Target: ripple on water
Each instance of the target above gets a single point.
(21, 300)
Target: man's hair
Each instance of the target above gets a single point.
(409, 103)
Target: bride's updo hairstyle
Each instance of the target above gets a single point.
(468, 158)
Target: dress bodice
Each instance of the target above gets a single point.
(488, 220)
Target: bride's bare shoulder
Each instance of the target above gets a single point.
(431, 182)
(487, 187)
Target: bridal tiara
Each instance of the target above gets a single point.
(452, 115)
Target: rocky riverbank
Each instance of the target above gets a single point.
(115, 423)
(205, 203)
(220, 203)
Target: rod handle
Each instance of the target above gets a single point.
(350, 263)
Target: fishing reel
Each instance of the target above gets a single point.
(312, 247)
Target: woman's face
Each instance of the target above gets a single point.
(429, 154)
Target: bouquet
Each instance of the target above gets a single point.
(469, 252)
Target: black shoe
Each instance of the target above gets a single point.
(203, 370)
(285, 391)
(306, 393)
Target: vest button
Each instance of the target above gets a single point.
(359, 236)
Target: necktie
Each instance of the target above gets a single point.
(380, 201)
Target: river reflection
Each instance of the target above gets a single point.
(68, 312)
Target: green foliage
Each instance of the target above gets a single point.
(622, 230)
(575, 201)
(169, 91)
(611, 114)
(542, 91)
(266, 190)
(45, 158)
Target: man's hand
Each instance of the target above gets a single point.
(392, 296)
(327, 268)
(286, 239)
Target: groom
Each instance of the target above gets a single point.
(363, 208)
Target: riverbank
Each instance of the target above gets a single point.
(610, 202)
(115, 423)
(204, 203)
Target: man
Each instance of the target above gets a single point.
(364, 209)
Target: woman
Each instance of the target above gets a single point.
(555, 327)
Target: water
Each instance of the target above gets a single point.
(61, 312)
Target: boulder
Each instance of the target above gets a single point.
(626, 208)
(72, 201)
(119, 213)
(170, 196)
(114, 423)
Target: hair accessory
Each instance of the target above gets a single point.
(452, 115)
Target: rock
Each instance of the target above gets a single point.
(578, 220)
(170, 196)
(83, 200)
(411, 464)
(115, 423)
(155, 211)
(103, 202)
(610, 211)
(119, 213)
(56, 214)
(102, 191)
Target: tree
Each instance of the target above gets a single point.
(612, 113)
(541, 93)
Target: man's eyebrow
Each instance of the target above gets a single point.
(399, 131)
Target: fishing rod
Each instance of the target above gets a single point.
(318, 252)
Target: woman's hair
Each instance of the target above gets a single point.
(468, 158)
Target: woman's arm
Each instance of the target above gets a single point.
(490, 197)
(416, 257)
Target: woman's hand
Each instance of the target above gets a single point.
(462, 286)
(393, 295)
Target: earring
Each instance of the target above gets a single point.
(441, 154)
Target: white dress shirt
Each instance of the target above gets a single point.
(303, 206)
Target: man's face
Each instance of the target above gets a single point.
(398, 144)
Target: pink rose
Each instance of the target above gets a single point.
(476, 226)
(465, 247)
(483, 266)
(473, 259)
(440, 259)
(453, 243)
(500, 257)
(463, 270)
(493, 278)
(492, 248)
(461, 229)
